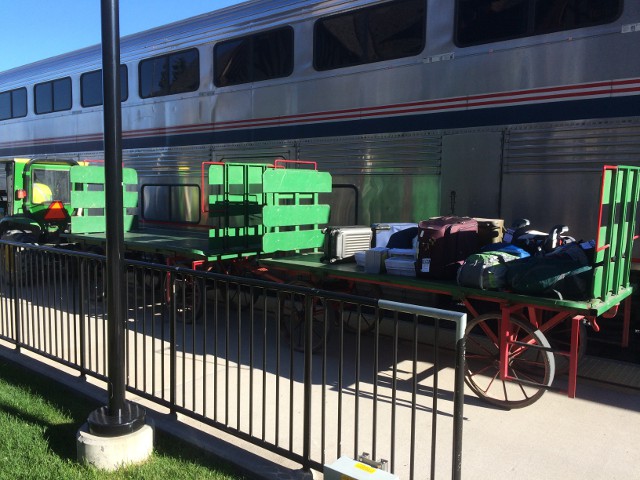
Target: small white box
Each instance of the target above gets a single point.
(402, 252)
(404, 266)
(374, 260)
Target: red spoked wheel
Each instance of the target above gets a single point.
(238, 295)
(293, 319)
(530, 369)
(361, 318)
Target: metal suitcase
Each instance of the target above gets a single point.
(341, 243)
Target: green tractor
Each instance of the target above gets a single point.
(35, 207)
(35, 199)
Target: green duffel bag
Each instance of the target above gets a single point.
(486, 270)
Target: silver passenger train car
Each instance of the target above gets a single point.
(488, 108)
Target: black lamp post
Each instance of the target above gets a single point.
(119, 417)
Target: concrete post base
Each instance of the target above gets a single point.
(110, 453)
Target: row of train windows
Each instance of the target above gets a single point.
(372, 34)
(485, 21)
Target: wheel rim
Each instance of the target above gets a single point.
(293, 320)
(240, 296)
(237, 295)
(188, 297)
(530, 369)
(359, 318)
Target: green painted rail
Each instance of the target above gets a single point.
(252, 208)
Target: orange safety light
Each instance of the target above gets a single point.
(21, 194)
(56, 211)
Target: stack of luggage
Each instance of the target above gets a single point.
(474, 252)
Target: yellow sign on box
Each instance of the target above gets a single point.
(346, 468)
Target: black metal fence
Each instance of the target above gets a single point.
(309, 374)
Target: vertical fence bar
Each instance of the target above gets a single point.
(15, 278)
(414, 395)
(356, 416)
(277, 372)
(323, 413)
(83, 318)
(251, 356)
(173, 325)
(205, 383)
(340, 387)
(264, 364)
(394, 390)
(434, 403)
(458, 400)
(239, 352)
(376, 369)
(308, 344)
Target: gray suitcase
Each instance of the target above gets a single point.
(341, 243)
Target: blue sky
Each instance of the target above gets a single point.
(36, 29)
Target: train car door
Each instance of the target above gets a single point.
(471, 174)
(6, 188)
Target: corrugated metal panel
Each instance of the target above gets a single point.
(263, 152)
(575, 147)
(177, 162)
(392, 154)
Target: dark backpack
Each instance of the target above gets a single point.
(565, 273)
(403, 238)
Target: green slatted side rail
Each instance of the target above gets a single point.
(619, 197)
(235, 206)
(293, 214)
(88, 199)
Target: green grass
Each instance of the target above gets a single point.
(39, 420)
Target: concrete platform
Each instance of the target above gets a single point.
(594, 436)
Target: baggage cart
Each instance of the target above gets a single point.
(509, 358)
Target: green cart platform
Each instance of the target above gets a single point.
(250, 209)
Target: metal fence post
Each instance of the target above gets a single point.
(119, 416)
(458, 400)
(14, 279)
(171, 297)
(83, 296)
(308, 347)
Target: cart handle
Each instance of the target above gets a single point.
(278, 163)
(602, 186)
(202, 187)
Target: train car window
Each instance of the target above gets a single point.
(53, 96)
(254, 58)
(485, 21)
(171, 203)
(177, 72)
(91, 87)
(13, 104)
(372, 34)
